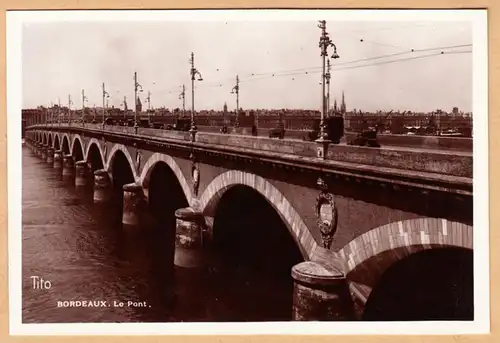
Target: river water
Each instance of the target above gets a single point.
(82, 250)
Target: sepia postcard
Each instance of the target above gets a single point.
(248, 172)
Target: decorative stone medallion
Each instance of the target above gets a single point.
(138, 159)
(326, 215)
(105, 149)
(195, 174)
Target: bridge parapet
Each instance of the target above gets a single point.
(452, 167)
(446, 162)
(171, 134)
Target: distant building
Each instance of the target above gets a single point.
(455, 111)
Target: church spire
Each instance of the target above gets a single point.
(343, 106)
(335, 106)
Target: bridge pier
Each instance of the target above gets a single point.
(133, 205)
(38, 151)
(44, 152)
(320, 293)
(189, 247)
(50, 156)
(68, 166)
(81, 173)
(102, 186)
(58, 159)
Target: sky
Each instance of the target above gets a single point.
(62, 58)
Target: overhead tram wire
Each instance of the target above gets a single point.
(411, 51)
(314, 72)
(360, 66)
(317, 70)
(405, 59)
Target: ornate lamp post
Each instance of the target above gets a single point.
(327, 77)
(69, 109)
(137, 88)
(324, 43)
(194, 73)
(236, 90)
(58, 111)
(105, 95)
(84, 99)
(183, 97)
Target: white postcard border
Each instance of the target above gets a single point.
(481, 323)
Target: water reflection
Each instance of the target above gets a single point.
(84, 251)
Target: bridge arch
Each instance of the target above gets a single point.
(65, 145)
(156, 158)
(57, 144)
(112, 155)
(93, 142)
(369, 257)
(44, 138)
(77, 148)
(294, 223)
(51, 140)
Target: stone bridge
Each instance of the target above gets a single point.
(354, 213)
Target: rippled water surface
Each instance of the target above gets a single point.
(82, 249)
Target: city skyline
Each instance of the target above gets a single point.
(382, 65)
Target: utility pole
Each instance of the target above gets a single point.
(52, 113)
(137, 87)
(324, 43)
(183, 97)
(69, 109)
(84, 98)
(194, 73)
(105, 95)
(327, 76)
(148, 99)
(236, 90)
(125, 107)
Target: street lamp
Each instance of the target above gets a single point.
(137, 88)
(324, 43)
(194, 73)
(84, 99)
(236, 90)
(105, 95)
(69, 109)
(183, 97)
